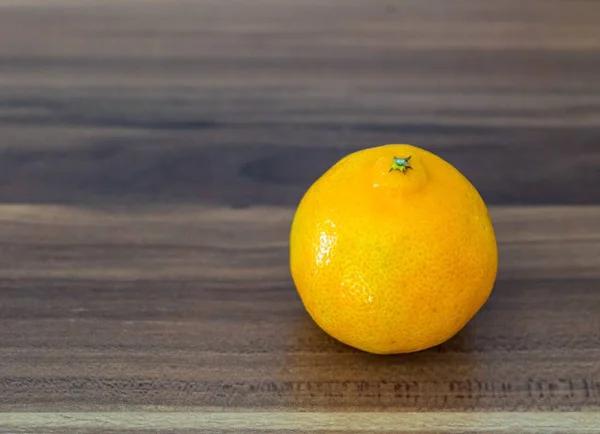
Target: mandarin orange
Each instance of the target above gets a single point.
(392, 250)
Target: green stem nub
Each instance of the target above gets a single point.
(400, 164)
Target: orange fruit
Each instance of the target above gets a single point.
(392, 250)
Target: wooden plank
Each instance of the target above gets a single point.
(194, 306)
(249, 245)
(235, 104)
(139, 422)
(181, 170)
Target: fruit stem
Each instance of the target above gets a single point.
(401, 164)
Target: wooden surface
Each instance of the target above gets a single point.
(151, 157)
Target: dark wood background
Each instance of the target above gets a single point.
(152, 154)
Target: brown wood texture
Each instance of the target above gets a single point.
(152, 154)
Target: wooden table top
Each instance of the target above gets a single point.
(151, 158)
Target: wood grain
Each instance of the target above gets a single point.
(151, 157)
(237, 103)
(195, 307)
(274, 422)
